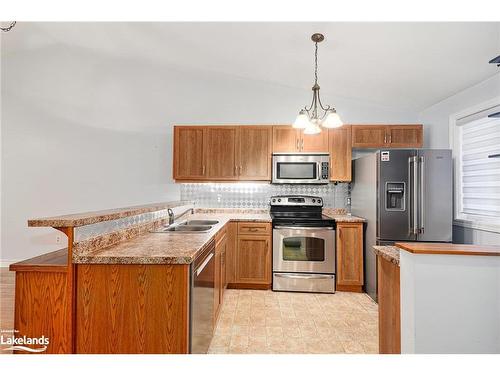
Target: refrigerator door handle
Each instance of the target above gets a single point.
(422, 196)
(411, 200)
(413, 197)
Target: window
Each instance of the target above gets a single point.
(476, 148)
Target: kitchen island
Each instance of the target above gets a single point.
(438, 298)
(118, 288)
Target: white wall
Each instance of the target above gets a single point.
(436, 122)
(86, 129)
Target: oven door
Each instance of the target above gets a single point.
(304, 249)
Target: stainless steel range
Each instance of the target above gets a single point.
(303, 245)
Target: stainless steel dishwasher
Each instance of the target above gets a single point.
(202, 300)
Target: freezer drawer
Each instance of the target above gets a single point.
(303, 282)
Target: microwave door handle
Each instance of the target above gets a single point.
(318, 171)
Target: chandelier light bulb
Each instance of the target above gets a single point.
(332, 120)
(302, 121)
(313, 127)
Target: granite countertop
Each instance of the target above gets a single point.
(86, 218)
(390, 253)
(165, 248)
(340, 215)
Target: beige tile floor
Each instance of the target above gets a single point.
(254, 321)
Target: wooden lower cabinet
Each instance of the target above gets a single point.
(350, 257)
(389, 307)
(252, 256)
(132, 308)
(220, 271)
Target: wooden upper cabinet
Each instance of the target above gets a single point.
(340, 153)
(255, 151)
(405, 135)
(286, 139)
(387, 136)
(189, 145)
(368, 136)
(221, 153)
(314, 142)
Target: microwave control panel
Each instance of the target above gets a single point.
(324, 170)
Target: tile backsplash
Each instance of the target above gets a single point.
(256, 195)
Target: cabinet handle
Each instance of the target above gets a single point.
(298, 147)
(302, 144)
(241, 169)
(203, 171)
(385, 138)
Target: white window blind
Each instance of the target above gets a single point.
(479, 193)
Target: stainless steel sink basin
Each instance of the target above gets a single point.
(200, 222)
(189, 228)
(183, 227)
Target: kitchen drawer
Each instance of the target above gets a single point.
(249, 228)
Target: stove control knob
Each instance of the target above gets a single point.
(274, 200)
(319, 200)
(279, 200)
(314, 200)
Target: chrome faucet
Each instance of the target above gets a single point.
(171, 217)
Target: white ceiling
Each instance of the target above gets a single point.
(406, 66)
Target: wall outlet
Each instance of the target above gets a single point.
(58, 238)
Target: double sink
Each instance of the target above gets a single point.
(198, 226)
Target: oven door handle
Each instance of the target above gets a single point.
(302, 228)
(289, 276)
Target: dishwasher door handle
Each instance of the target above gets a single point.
(204, 264)
(302, 228)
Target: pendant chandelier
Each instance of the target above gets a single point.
(312, 118)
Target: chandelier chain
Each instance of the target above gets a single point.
(8, 28)
(316, 64)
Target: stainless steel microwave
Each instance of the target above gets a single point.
(313, 168)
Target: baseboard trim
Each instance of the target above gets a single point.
(350, 288)
(248, 286)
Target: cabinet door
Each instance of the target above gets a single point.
(314, 142)
(255, 151)
(368, 136)
(285, 139)
(231, 250)
(221, 153)
(223, 278)
(217, 301)
(340, 153)
(405, 136)
(189, 144)
(350, 255)
(253, 260)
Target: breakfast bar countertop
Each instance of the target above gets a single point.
(390, 253)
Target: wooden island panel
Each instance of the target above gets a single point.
(389, 306)
(130, 308)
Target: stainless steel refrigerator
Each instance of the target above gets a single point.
(405, 195)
